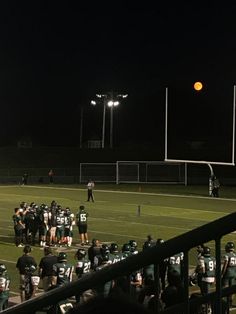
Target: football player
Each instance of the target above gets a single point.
(44, 219)
(175, 263)
(115, 255)
(82, 223)
(126, 250)
(60, 229)
(133, 247)
(229, 268)
(104, 289)
(4, 287)
(206, 266)
(99, 259)
(62, 271)
(69, 221)
(82, 268)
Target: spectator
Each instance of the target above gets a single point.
(90, 187)
(113, 304)
(46, 268)
(22, 262)
(82, 223)
(4, 287)
(174, 292)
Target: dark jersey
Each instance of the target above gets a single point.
(230, 260)
(98, 260)
(23, 261)
(81, 218)
(115, 257)
(104, 289)
(149, 272)
(175, 262)
(63, 272)
(82, 267)
(207, 266)
(4, 286)
(46, 264)
(92, 252)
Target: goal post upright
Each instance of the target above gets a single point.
(233, 135)
(166, 121)
(208, 163)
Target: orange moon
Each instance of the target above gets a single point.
(197, 86)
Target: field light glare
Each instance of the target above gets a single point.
(93, 102)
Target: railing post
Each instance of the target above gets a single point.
(186, 282)
(218, 301)
(157, 289)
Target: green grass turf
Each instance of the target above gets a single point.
(166, 211)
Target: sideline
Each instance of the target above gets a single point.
(125, 192)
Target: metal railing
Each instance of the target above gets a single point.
(212, 231)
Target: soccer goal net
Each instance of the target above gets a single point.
(135, 172)
(151, 172)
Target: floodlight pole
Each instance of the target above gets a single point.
(111, 128)
(103, 122)
(81, 126)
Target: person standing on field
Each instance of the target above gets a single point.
(82, 224)
(216, 187)
(25, 260)
(90, 187)
(51, 176)
(46, 267)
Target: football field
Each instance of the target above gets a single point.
(119, 214)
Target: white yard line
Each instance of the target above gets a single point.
(127, 192)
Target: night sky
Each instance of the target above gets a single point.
(55, 56)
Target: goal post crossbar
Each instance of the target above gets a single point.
(200, 162)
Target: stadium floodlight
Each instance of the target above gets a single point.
(122, 95)
(110, 100)
(101, 95)
(112, 103)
